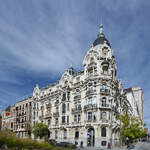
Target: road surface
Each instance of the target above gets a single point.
(139, 146)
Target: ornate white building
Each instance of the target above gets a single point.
(81, 107)
(78, 106)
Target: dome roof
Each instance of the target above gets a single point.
(101, 38)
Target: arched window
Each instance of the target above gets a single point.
(104, 101)
(63, 108)
(103, 132)
(105, 67)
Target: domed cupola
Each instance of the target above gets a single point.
(101, 39)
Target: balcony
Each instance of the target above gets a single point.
(105, 91)
(76, 124)
(90, 92)
(56, 103)
(105, 106)
(41, 117)
(48, 106)
(42, 107)
(90, 120)
(77, 84)
(104, 121)
(77, 97)
(90, 107)
(34, 107)
(76, 110)
(48, 115)
(56, 114)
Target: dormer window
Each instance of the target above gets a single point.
(78, 92)
(104, 101)
(105, 51)
(105, 67)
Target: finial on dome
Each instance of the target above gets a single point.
(101, 28)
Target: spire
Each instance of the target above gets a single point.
(101, 39)
(101, 29)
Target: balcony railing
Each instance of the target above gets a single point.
(48, 106)
(48, 115)
(77, 97)
(77, 84)
(105, 106)
(105, 91)
(90, 120)
(104, 120)
(89, 92)
(90, 107)
(42, 107)
(41, 117)
(56, 114)
(77, 110)
(56, 103)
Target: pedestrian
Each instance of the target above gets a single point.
(108, 145)
(81, 144)
(130, 146)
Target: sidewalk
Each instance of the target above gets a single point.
(98, 148)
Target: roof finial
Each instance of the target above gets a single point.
(101, 28)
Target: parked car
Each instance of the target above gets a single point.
(53, 142)
(66, 144)
(144, 139)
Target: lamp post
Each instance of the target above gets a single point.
(111, 127)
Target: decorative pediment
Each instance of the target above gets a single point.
(36, 91)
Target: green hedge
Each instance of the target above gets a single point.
(14, 143)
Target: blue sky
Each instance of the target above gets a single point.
(39, 39)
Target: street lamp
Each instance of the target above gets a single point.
(111, 127)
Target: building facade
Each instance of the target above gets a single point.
(8, 118)
(135, 97)
(81, 107)
(23, 116)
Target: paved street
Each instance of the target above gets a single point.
(143, 146)
(139, 146)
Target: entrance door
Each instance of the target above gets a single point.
(90, 137)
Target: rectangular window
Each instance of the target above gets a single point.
(57, 109)
(56, 121)
(56, 134)
(79, 118)
(67, 119)
(68, 95)
(76, 134)
(89, 116)
(68, 107)
(75, 118)
(63, 119)
(64, 97)
(65, 134)
(48, 122)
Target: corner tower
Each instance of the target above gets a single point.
(100, 59)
